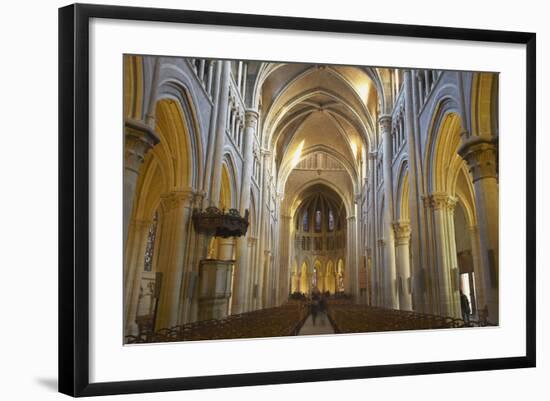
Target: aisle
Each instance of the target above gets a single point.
(322, 326)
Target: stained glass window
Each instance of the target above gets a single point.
(330, 220)
(150, 247)
(305, 222)
(318, 220)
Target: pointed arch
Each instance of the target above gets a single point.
(133, 86)
(484, 108)
(442, 160)
(226, 193)
(178, 92)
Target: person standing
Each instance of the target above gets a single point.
(465, 307)
(314, 306)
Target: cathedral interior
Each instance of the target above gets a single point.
(251, 187)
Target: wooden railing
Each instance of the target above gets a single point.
(352, 318)
(285, 320)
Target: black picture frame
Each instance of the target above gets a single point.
(74, 194)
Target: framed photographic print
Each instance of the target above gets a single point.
(249, 199)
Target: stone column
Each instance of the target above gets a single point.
(391, 299)
(135, 258)
(419, 243)
(223, 106)
(453, 259)
(373, 228)
(215, 81)
(139, 138)
(275, 259)
(263, 214)
(197, 249)
(381, 245)
(250, 273)
(175, 217)
(241, 267)
(251, 122)
(480, 285)
(481, 155)
(284, 266)
(402, 239)
(352, 271)
(442, 207)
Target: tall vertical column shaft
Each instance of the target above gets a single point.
(481, 155)
(223, 106)
(418, 240)
(390, 289)
(374, 230)
(446, 266)
(402, 238)
(241, 272)
(134, 263)
(176, 210)
(138, 140)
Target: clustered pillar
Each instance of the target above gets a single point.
(402, 239)
(241, 276)
(390, 288)
(138, 140)
(445, 268)
(175, 218)
(481, 155)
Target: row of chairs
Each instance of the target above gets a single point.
(353, 318)
(284, 320)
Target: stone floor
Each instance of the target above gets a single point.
(322, 326)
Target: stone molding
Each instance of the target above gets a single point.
(251, 118)
(480, 154)
(440, 200)
(171, 200)
(140, 223)
(402, 231)
(385, 122)
(139, 138)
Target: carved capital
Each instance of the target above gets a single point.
(171, 200)
(139, 138)
(481, 155)
(440, 200)
(402, 231)
(141, 224)
(198, 197)
(251, 118)
(385, 122)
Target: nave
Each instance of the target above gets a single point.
(322, 325)
(249, 185)
(296, 319)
